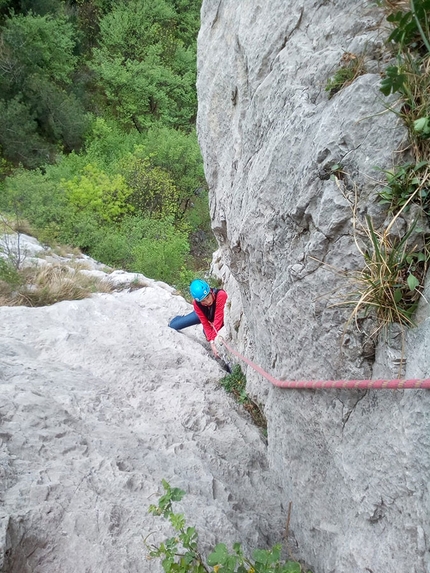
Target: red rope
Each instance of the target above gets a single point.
(327, 384)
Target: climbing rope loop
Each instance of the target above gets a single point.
(395, 384)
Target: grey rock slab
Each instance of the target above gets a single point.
(100, 401)
(353, 464)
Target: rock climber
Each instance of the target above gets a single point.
(208, 310)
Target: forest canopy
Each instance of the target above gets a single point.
(97, 142)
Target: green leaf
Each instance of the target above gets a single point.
(177, 494)
(261, 556)
(420, 124)
(398, 295)
(291, 567)
(413, 282)
(177, 520)
(219, 555)
(237, 548)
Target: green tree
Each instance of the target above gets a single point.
(162, 250)
(19, 134)
(153, 192)
(37, 62)
(144, 71)
(95, 192)
(179, 154)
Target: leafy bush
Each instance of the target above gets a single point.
(152, 191)
(95, 192)
(107, 144)
(162, 250)
(32, 195)
(9, 274)
(143, 70)
(39, 111)
(179, 154)
(180, 553)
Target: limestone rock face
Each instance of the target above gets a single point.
(99, 401)
(354, 464)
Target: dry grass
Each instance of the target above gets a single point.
(390, 284)
(416, 98)
(43, 286)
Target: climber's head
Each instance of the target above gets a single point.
(199, 289)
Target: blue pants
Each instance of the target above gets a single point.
(180, 322)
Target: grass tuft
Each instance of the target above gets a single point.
(351, 67)
(43, 286)
(391, 282)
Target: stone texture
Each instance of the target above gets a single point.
(99, 401)
(354, 464)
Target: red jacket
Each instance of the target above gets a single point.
(211, 328)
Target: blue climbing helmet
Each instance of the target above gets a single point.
(199, 289)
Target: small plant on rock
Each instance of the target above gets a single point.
(410, 76)
(235, 384)
(406, 184)
(180, 553)
(351, 67)
(391, 282)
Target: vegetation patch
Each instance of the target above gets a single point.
(351, 67)
(235, 384)
(98, 140)
(391, 283)
(180, 553)
(45, 285)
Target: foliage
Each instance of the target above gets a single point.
(180, 553)
(179, 154)
(411, 28)
(37, 61)
(132, 64)
(19, 137)
(107, 144)
(9, 274)
(394, 80)
(90, 212)
(392, 280)
(352, 66)
(40, 46)
(410, 77)
(32, 195)
(405, 184)
(143, 70)
(95, 192)
(235, 383)
(152, 191)
(162, 250)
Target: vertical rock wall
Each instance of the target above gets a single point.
(354, 464)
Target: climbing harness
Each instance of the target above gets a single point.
(395, 384)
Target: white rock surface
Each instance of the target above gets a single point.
(99, 401)
(356, 465)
